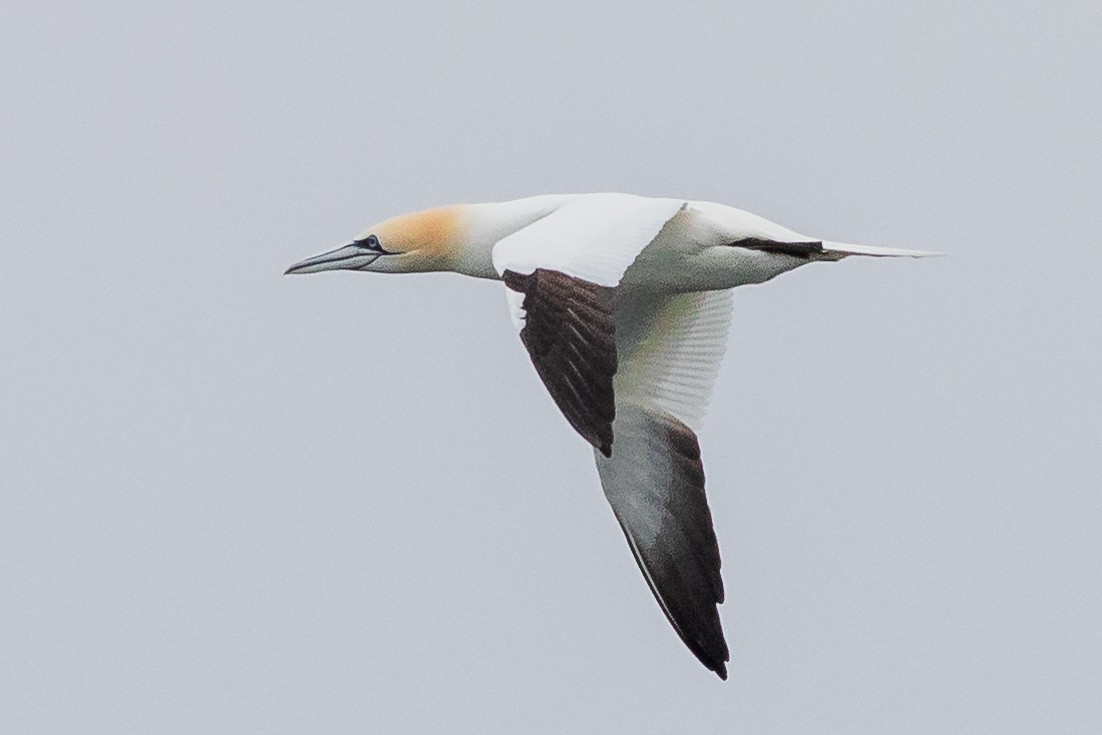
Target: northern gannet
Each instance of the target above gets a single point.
(623, 303)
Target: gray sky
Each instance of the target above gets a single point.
(234, 502)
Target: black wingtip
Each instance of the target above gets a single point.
(721, 671)
(606, 449)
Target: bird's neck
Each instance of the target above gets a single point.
(485, 224)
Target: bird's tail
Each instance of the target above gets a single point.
(839, 250)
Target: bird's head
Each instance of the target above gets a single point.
(411, 243)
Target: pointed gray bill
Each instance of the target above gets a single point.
(350, 257)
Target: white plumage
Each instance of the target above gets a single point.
(594, 237)
(670, 350)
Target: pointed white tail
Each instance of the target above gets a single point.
(845, 248)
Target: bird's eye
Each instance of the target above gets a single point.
(369, 243)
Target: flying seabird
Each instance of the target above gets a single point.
(623, 303)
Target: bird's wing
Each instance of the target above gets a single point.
(559, 274)
(669, 351)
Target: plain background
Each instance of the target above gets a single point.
(236, 502)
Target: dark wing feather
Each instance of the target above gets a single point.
(795, 249)
(570, 336)
(654, 482)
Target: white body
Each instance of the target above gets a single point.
(690, 253)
